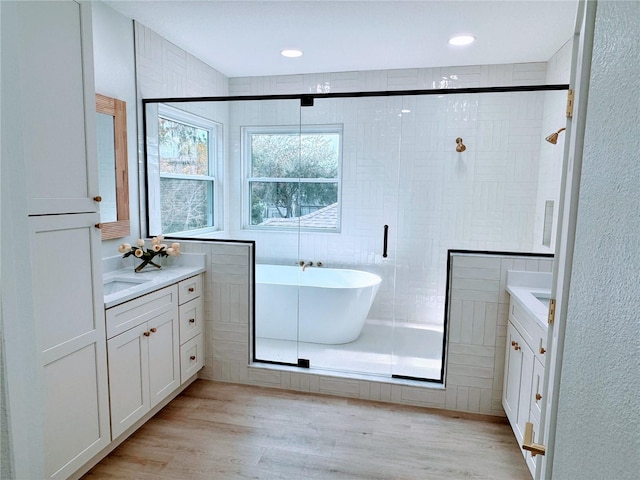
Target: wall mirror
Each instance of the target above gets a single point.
(113, 172)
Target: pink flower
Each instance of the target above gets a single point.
(138, 253)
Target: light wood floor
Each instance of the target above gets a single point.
(226, 431)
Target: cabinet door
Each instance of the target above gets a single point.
(70, 337)
(164, 355)
(128, 378)
(58, 106)
(536, 390)
(524, 398)
(512, 373)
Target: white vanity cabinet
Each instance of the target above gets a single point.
(524, 373)
(144, 363)
(155, 344)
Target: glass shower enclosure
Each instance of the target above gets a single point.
(353, 201)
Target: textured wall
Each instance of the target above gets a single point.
(599, 411)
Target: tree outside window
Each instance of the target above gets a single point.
(293, 177)
(185, 182)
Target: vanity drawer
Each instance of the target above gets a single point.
(191, 318)
(189, 289)
(134, 312)
(191, 357)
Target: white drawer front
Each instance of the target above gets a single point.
(130, 314)
(191, 319)
(191, 357)
(189, 289)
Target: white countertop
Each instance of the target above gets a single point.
(525, 286)
(184, 266)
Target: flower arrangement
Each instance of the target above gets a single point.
(148, 254)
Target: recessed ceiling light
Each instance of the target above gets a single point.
(291, 53)
(462, 40)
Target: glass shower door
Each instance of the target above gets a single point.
(425, 160)
(348, 291)
(265, 136)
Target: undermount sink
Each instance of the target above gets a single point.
(114, 285)
(542, 298)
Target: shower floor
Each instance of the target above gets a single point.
(416, 351)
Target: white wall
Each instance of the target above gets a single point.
(599, 409)
(115, 76)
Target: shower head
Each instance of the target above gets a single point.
(553, 138)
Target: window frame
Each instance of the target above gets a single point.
(215, 158)
(247, 179)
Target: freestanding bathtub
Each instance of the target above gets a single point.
(331, 304)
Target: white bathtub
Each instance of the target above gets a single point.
(332, 304)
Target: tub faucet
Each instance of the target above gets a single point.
(305, 265)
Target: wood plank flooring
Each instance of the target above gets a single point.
(227, 431)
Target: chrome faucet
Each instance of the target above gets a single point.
(304, 264)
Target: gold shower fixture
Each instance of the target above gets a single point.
(460, 146)
(553, 138)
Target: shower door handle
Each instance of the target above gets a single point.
(384, 242)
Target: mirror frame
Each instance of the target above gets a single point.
(118, 110)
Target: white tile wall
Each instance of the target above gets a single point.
(404, 172)
(476, 346)
(386, 80)
(551, 156)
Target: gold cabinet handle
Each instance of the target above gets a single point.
(542, 350)
(146, 334)
(97, 198)
(516, 346)
(191, 289)
(513, 343)
(98, 225)
(192, 320)
(538, 397)
(527, 442)
(153, 330)
(192, 357)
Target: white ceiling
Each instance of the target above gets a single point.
(244, 38)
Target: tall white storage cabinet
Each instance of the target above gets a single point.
(58, 127)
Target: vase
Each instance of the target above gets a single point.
(147, 263)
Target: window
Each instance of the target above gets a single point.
(182, 181)
(293, 177)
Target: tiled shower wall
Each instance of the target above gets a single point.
(551, 156)
(476, 348)
(402, 170)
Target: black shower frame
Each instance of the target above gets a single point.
(307, 100)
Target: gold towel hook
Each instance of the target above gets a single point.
(460, 147)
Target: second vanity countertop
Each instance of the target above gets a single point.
(132, 285)
(531, 290)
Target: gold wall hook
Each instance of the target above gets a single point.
(460, 147)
